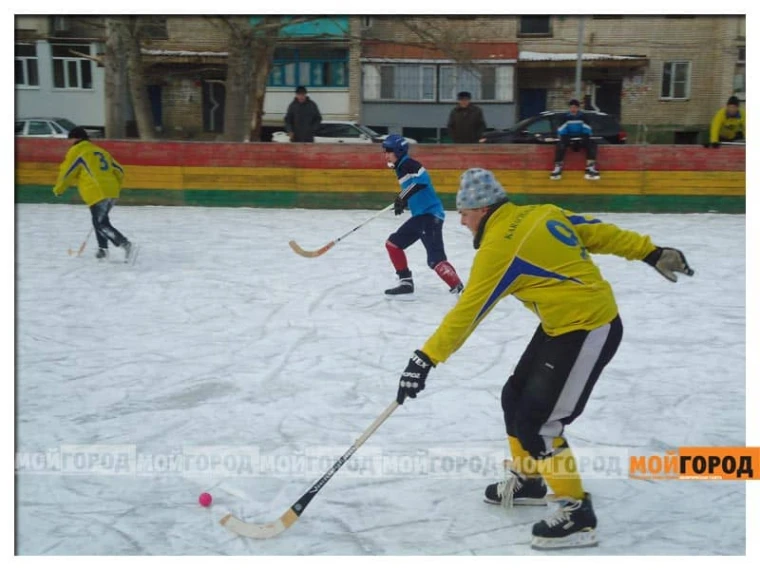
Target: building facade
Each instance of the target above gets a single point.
(662, 76)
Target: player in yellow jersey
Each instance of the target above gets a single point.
(541, 255)
(98, 177)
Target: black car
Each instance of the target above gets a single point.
(542, 129)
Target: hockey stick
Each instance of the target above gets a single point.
(272, 529)
(327, 247)
(81, 247)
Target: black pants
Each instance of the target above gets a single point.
(585, 142)
(553, 381)
(427, 228)
(104, 231)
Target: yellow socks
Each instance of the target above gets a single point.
(560, 470)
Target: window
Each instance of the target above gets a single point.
(366, 22)
(541, 126)
(676, 79)
(20, 127)
(26, 66)
(486, 83)
(310, 68)
(39, 128)
(399, 82)
(71, 71)
(741, 56)
(534, 26)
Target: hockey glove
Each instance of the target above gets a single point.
(667, 261)
(412, 380)
(398, 206)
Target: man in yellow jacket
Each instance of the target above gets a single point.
(98, 177)
(729, 124)
(540, 254)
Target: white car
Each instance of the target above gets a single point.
(50, 127)
(347, 132)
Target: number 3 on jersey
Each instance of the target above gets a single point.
(566, 235)
(103, 161)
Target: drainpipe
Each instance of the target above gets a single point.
(579, 60)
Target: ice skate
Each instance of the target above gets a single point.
(572, 526)
(516, 490)
(102, 253)
(557, 172)
(592, 173)
(130, 252)
(404, 289)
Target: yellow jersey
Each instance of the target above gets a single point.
(93, 170)
(539, 254)
(725, 127)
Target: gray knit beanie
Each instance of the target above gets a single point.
(478, 188)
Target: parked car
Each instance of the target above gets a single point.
(50, 127)
(347, 132)
(542, 129)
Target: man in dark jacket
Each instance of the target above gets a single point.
(303, 117)
(466, 124)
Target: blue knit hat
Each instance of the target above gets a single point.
(478, 188)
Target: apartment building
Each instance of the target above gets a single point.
(662, 76)
(59, 70)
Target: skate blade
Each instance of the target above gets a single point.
(404, 298)
(521, 502)
(587, 177)
(583, 539)
(555, 178)
(133, 257)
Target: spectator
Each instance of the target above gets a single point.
(303, 118)
(574, 125)
(466, 124)
(729, 124)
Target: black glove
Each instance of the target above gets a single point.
(666, 260)
(412, 381)
(398, 206)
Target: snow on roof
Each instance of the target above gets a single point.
(538, 56)
(183, 53)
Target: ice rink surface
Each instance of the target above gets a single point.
(221, 343)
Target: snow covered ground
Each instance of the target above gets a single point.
(138, 388)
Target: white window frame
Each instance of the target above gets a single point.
(502, 73)
(379, 89)
(66, 79)
(670, 97)
(26, 59)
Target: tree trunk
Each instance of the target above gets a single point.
(263, 66)
(137, 87)
(115, 80)
(238, 85)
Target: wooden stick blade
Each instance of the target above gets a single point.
(261, 531)
(304, 253)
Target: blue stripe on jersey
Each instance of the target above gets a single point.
(76, 163)
(117, 167)
(576, 220)
(516, 268)
(411, 173)
(574, 125)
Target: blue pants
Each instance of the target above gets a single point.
(427, 228)
(104, 231)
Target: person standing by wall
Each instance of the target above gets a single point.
(303, 117)
(729, 124)
(466, 123)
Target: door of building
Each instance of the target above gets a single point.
(608, 95)
(213, 106)
(531, 102)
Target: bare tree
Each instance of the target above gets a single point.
(115, 64)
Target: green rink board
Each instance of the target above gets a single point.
(372, 200)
